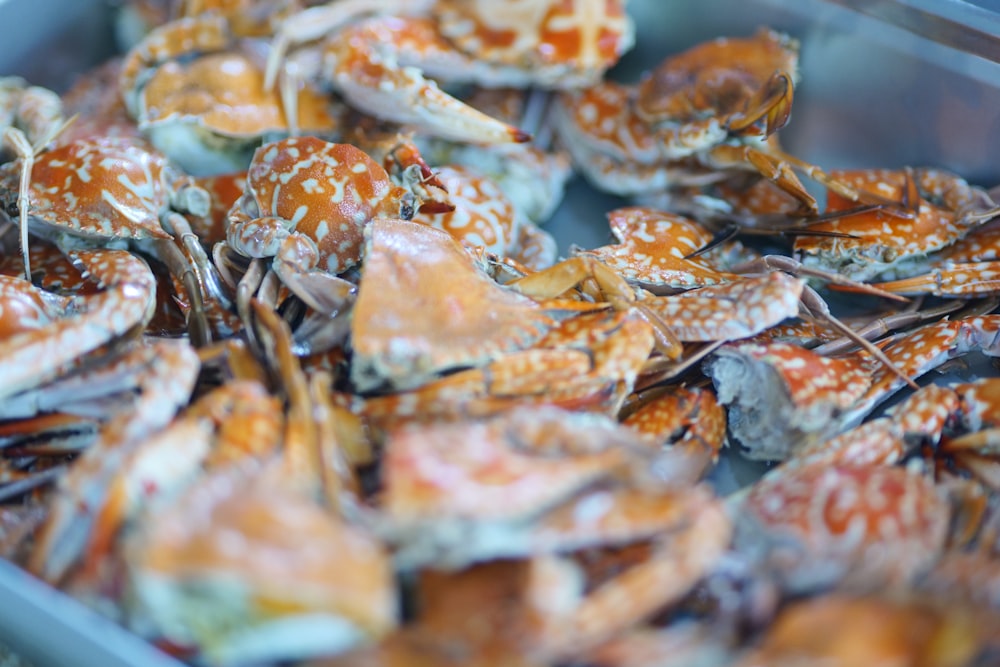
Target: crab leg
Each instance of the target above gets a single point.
(235, 422)
(24, 150)
(206, 33)
(731, 311)
(567, 274)
(674, 568)
(772, 102)
(313, 461)
(168, 371)
(879, 327)
(128, 300)
(968, 280)
(315, 23)
(367, 73)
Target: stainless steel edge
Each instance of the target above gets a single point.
(953, 23)
(875, 90)
(50, 628)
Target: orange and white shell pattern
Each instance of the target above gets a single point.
(825, 524)
(878, 240)
(653, 248)
(485, 218)
(567, 43)
(99, 188)
(325, 191)
(224, 92)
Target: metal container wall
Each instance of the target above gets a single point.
(884, 83)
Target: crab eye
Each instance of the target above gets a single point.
(11, 209)
(406, 208)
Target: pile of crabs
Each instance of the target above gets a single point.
(292, 371)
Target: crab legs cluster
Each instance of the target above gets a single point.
(291, 370)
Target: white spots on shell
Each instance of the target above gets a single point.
(588, 113)
(301, 212)
(336, 191)
(270, 155)
(321, 231)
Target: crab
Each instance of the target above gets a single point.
(335, 594)
(440, 506)
(818, 526)
(662, 252)
(211, 113)
(966, 269)
(167, 371)
(306, 204)
(666, 252)
(377, 64)
(407, 343)
(484, 218)
(214, 32)
(61, 411)
(692, 121)
(943, 208)
(782, 398)
(196, 90)
(876, 629)
(327, 598)
(448, 500)
(109, 191)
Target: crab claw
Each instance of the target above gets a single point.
(772, 103)
(409, 168)
(366, 72)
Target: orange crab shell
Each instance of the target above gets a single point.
(716, 78)
(51, 270)
(225, 190)
(811, 378)
(652, 250)
(867, 523)
(478, 470)
(23, 308)
(104, 187)
(225, 93)
(874, 630)
(592, 33)
(420, 309)
(882, 237)
(277, 575)
(328, 191)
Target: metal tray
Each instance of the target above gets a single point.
(884, 83)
